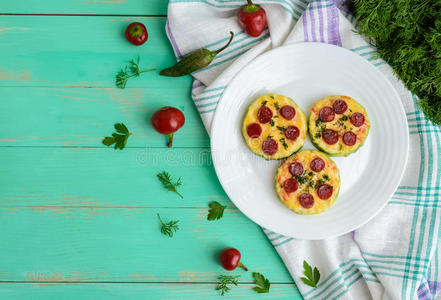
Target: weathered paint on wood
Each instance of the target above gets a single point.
(101, 177)
(118, 291)
(81, 51)
(125, 244)
(100, 7)
(72, 210)
(82, 117)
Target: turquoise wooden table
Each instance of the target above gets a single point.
(78, 220)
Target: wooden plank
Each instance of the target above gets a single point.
(125, 7)
(47, 244)
(82, 117)
(82, 52)
(117, 291)
(87, 177)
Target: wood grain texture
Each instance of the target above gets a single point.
(100, 7)
(125, 244)
(78, 220)
(82, 117)
(118, 291)
(88, 177)
(50, 51)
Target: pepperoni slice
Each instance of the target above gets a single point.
(288, 112)
(264, 114)
(324, 191)
(330, 136)
(292, 132)
(349, 138)
(357, 119)
(306, 200)
(317, 164)
(340, 106)
(296, 169)
(254, 130)
(269, 146)
(290, 185)
(326, 114)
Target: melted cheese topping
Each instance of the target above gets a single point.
(274, 102)
(340, 124)
(329, 175)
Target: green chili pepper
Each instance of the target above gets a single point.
(194, 61)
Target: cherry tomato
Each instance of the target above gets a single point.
(167, 120)
(252, 18)
(229, 259)
(136, 33)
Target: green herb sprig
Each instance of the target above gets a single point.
(167, 182)
(216, 211)
(223, 281)
(169, 228)
(406, 34)
(132, 70)
(262, 284)
(312, 277)
(119, 138)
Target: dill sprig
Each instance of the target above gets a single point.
(167, 182)
(132, 70)
(224, 280)
(407, 35)
(168, 228)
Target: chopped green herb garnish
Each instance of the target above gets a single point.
(119, 138)
(129, 71)
(166, 181)
(344, 118)
(272, 97)
(272, 122)
(281, 128)
(224, 280)
(318, 135)
(216, 211)
(264, 102)
(326, 177)
(320, 182)
(310, 174)
(262, 284)
(276, 105)
(302, 179)
(168, 228)
(283, 141)
(318, 122)
(312, 277)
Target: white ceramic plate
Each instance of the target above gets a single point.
(307, 72)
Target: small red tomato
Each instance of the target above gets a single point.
(136, 33)
(168, 120)
(229, 259)
(252, 18)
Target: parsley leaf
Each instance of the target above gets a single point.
(276, 105)
(272, 122)
(168, 228)
(224, 281)
(167, 182)
(216, 211)
(263, 284)
(312, 277)
(119, 138)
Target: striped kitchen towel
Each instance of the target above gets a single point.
(395, 255)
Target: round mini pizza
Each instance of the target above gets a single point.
(338, 125)
(274, 127)
(308, 182)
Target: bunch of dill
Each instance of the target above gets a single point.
(407, 35)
